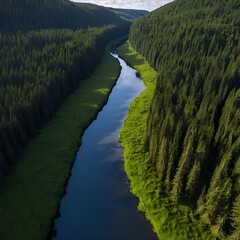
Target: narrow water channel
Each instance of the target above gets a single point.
(98, 204)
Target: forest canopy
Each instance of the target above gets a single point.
(27, 15)
(38, 70)
(193, 127)
(46, 49)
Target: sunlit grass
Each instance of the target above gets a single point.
(32, 192)
(170, 221)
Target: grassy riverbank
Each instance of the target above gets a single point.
(169, 220)
(30, 197)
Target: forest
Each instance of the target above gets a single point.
(27, 15)
(193, 125)
(46, 49)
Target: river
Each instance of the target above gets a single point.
(98, 204)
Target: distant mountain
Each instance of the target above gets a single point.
(129, 14)
(26, 15)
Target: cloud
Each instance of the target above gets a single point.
(136, 4)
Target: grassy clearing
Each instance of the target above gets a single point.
(169, 220)
(32, 192)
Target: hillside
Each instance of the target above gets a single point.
(193, 126)
(38, 71)
(26, 15)
(48, 50)
(31, 195)
(44, 54)
(129, 14)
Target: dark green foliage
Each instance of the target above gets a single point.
(26, 15)
(31, 194)
(193, 127)
(38, 70)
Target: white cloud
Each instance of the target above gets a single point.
(135, 4)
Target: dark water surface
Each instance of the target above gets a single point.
(98, 204)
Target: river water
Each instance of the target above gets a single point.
(98, 204)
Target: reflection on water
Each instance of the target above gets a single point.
(98, 204)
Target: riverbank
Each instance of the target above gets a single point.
(169, 220)
(31, 194)
(97, 196)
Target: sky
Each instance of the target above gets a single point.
(132, 4)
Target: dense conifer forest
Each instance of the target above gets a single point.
(26, 15)
(193, 126)
(44, 53)
(38, 70)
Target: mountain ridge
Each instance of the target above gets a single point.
(129, 14)
(27, 15)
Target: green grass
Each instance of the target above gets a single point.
(32, 192)
(170, 221)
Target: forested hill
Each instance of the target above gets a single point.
(38, 71)
(46, 48)
(193, 127)
(26, 15)
(129, 14)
